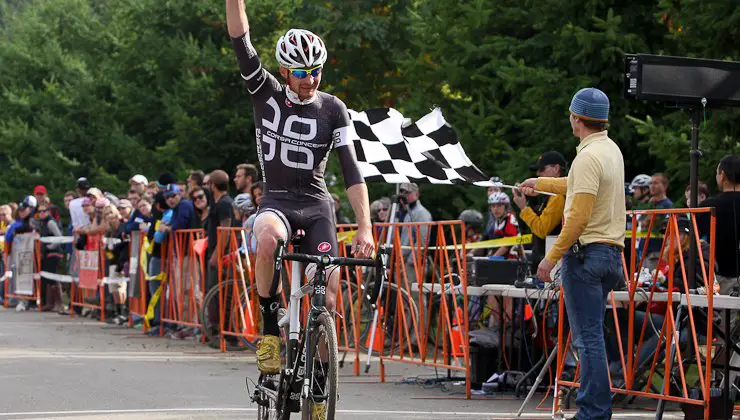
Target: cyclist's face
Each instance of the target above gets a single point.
(498, 210)
(306, 87)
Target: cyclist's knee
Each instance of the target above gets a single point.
(267, 238)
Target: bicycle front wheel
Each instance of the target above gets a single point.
(325, 367)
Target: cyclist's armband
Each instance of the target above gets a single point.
(343, 138)
(250, 67)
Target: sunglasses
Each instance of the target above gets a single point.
(384, 209)
(303, 73)
(199, 197)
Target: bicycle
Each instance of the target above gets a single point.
(299, 384)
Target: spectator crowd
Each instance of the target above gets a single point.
(202, 201)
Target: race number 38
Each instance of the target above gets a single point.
(304, 158)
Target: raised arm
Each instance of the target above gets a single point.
(258, 80)
(236, 18)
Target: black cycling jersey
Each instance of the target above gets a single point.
(294, 137)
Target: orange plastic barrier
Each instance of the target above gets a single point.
(137, 304)
(89, 269)
(182, 296)
(10, 291)
(239, 312)
(241, 318)
(674, 257)
(350, 305)
(437, 336)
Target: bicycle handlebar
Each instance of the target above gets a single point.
(322, 261)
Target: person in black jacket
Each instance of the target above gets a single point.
(51, 255)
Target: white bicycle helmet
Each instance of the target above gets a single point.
(243, 203)
(498, 198)
(300, 49)
(28, 202)
(641, 181)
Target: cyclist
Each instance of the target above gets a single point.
(503, 222)
(296, 128)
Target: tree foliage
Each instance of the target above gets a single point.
(106, 89)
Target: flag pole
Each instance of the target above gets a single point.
(388, 240)
(514, 187)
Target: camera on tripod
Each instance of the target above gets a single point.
(400, 199)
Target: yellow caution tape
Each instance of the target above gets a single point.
(347, 236)
(152, 304)
(641, 235)
(498, 243)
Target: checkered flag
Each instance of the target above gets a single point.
(391, 149)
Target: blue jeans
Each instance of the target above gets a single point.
(586, 285)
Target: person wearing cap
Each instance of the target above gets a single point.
(412, 211)
(22, 224)
(183, 210)
(590, 243)
(95, 194)
(126, 208)
(138, 183)
(165, 179)
(42, 197)
(543, 216)
(77, 215)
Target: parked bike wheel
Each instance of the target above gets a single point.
(209, 314)
(354, 298)
(325, 375)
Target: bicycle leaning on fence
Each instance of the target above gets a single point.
(310, 372)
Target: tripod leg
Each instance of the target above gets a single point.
(372, 340)
(537, 381)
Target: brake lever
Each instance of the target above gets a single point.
(380, 277)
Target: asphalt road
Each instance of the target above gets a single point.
(53, 367)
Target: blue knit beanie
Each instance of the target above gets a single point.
(590, 104)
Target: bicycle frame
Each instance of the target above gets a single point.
(297, 368)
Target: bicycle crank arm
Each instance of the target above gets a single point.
(284, 317)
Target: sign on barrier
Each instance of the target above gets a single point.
(24, 246)
(89, 268)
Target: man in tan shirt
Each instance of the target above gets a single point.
(590, 243)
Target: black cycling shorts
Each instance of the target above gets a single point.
(317, 219)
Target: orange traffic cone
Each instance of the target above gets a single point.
(378, 339)
(456, 335)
